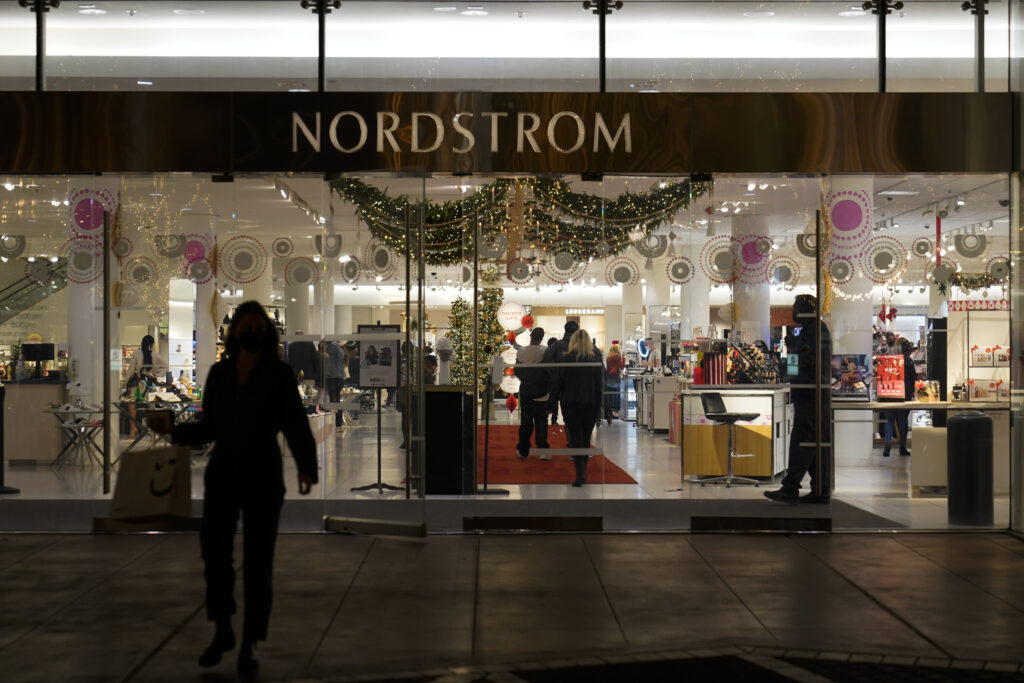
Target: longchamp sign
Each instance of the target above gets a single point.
(666, 134)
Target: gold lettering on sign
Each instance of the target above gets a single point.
(387, 132)
(601, 129)
(438, 128)
(581, 132)
(464, 132)
(297, 125)
(527, 133)
(494, 116)
(333, 132)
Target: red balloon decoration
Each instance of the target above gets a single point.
(511, 337)
(511, 372)
(511, 403)
(527, 320)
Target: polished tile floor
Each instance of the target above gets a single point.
(498, 607)
(878, 486)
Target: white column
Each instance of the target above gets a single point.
(343, 320)
(296, 302)
(695, 297)
(632, 305)
(751, 298)
(85, 335)
(322, 321)
(260, 288)
(208, 318)
(850, 326)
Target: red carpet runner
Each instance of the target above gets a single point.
(506, 468)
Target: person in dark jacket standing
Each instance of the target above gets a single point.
(533, 395)
(581, 392)
(806, 429)
(900, 419)
(305, 360)
(249, 397)
(553, 354)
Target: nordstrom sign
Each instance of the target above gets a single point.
(564, 132)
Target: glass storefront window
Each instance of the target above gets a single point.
(930, 48)
(17, 48)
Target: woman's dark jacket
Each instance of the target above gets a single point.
(243, 422)
(584, 384)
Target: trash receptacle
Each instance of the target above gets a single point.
(969, 468)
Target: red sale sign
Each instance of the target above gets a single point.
(890, 377)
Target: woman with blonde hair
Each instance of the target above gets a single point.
(613, 373)
(579, 386)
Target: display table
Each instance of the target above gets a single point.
(928, 459)
(704, 445)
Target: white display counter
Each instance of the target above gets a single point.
(658, 392)
(704, 444)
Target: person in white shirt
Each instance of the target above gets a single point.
(146, 361)
(533, 395)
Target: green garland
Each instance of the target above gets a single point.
(460, 333)
(970, 282)
(556, 218)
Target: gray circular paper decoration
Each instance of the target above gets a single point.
(169, 246)
(493, 246)
(603, 247)
(200, 272)
(622, 271)
(651, 246)
(379, 260)
(519, 271)
(84, 257)
(718, 259)
(998, 267)
(944, 273)
(38, 272)
(328, 246)
(841, 270)
(282, 247)
(784, 271)
(122, 247)
(805, 244)
(971, 246)
(467, 275)
(301, 271)
(243, 259)
(350, 270)
(922, 247)
(139, 271)
(883, 259)
(680, 270)
(563, 267)
(12, 246)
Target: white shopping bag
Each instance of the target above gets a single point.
(153, 483)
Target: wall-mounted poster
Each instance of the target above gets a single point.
(889, 377)
(851, 375)
(378, 359)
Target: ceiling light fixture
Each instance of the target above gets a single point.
(91, 9)
(144, 82)
(759, 13)
(474, 11)
(446, 8)
(189, 11)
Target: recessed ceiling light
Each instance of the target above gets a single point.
(474, 11)
(648, 91)
(90, 9)
(144, 82)
(446, 8)
(188, 11)
(898, 193)
(853, 12)
(298, 89)
(759, 13)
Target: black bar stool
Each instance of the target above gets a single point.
(714, 410)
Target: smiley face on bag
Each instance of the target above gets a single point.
(162, 481)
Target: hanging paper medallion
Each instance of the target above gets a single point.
(139, 271)
(169, 246)
(680, 270)
(38, 272)
(510, 315)
(603, 247)
(563, 267)
(200, 272)
(998, 267)
(197, 247)
(841, 270)
(510, 384)
(651, 246)
(380, 260)
(942, 274)
(86, 207)
(519, 272)
(122, 247)
(883, 259)
(784, 271)
(922, 247)
(971, 246)
(754, 253)
(328, 246)
(849, 212)
(84, 257)
(805, 244)
(282, 247)
(718, 259)
(301, 271)
(12, 246)
(243, 259)
(622, 271)
(350, 269)
(467, 275)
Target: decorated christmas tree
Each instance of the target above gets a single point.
(489, 333)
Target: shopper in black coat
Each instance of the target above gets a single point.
(553, 354)
(249, 397)
(581, 393)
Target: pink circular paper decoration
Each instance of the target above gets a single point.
(197, 248)
(850, 216)
(755, 252)
(86, 207)
(719, 259)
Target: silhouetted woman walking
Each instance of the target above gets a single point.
(581, 392)
(249, 397)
